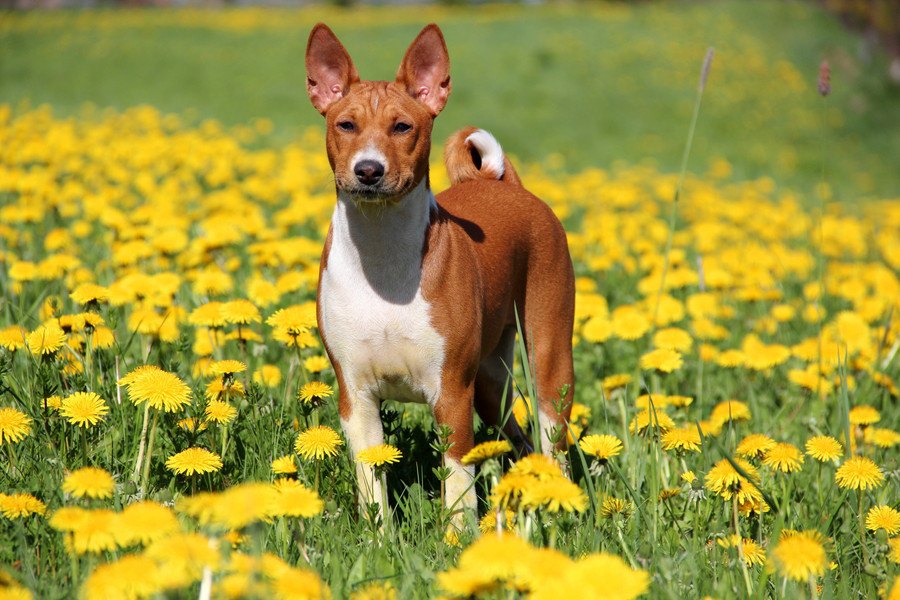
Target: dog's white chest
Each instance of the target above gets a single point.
(377, 324)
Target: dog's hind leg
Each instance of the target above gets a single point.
(494, 392)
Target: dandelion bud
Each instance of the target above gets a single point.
(824, 79)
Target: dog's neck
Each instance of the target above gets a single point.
(385, 242)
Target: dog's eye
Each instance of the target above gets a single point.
(402, 127)
(346, 125)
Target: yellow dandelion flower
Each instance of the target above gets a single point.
(883, 517)
(509, 490)
(615, 382)
(673, 338)
(824, 448)
(89, 482)
(160, 389)
(599, 575)
(46, 339)
(647, 420)
(378, 590)
(295, 500)
(84, 409)
(13, 338)
(267, 375)
(864, 415)
(191, 425)
(724, 479)
(379, 456)
(629, 323)
(665, 360)
(601, 446)
(240, 312)
(554, 495)
(488, 523)
(208, 315)
(225, 367)
(294, 320)
(881, 437)
(144, 522)
(859, 473)
(284, 465)
(220, 412)
(218, 389)
(182, 557)
(681, 439)
(19, 506)
(540, 466)
(319, 442)
(14, 426)
(485, 451)
(688, 477)
(753, 553)
(754, 445)
(194, 461)
(612, 506)
(90, 293)
(784, 457)
(799, 557)
(730, 410)
(314, 392)
(132, 576)
(316, 364)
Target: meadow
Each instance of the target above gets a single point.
(167, 412)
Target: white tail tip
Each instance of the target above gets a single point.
(490, 151)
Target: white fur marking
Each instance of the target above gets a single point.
(549, 426)
(376, 322)
(370, 152)
(489, 149)
(459, 487)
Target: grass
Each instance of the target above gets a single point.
(593, 85)
(783, 315)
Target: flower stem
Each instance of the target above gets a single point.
(152, 439)
(140, 455)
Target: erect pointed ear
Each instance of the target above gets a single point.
(425, 70)
(329, 69)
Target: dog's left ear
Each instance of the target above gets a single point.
(425, 70)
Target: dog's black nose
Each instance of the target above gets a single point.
(369, 172)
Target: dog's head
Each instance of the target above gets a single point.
(378, 133)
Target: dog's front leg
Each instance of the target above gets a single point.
(361, 422)
(454, 408)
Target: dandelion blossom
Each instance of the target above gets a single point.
(754, 445)
(14, 425)
(144, 522)
(220, 412)
(89, 482)
(883, 517)
(316, 364)
(46, 339)
(13, 338)
(601, 446)
(665, 360)
(864, 415)
(295, 500)
(683, 440)
(160, 389)
(194, 461)
(824, 448)
(859, 473)
(784, 457)
(284, 465)
(314, 392)
(84, 409)
(18, 506)
(799, 557)
(318, 442)
(379, 456)
(486, 451)
(554, 495)
(226, 367)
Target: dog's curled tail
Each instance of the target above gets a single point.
(473, 153)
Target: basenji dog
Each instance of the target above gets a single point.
(419, 295)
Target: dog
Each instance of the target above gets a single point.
(419, 295)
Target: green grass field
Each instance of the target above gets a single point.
(737, 350)
(594, 84)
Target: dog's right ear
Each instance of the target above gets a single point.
(329, 69)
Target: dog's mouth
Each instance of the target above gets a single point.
(379, 193)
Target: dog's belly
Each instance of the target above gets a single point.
(389, 351)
